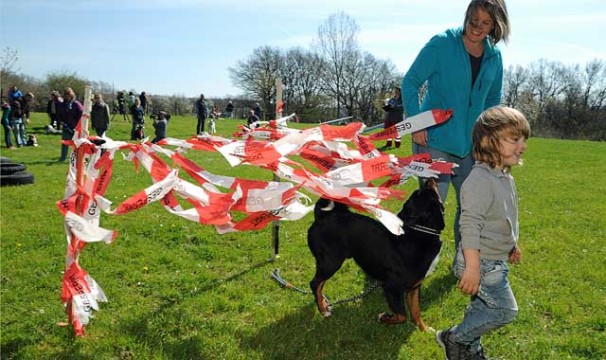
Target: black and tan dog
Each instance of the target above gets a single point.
(400, 263)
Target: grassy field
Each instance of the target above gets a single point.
(178, 290)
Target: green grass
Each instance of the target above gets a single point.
(178, 290)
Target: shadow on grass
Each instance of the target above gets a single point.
(146, 331)
(352, 332)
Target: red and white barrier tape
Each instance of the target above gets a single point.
(345, 175)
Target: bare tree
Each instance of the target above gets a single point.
(546, 84)
(369, 80)
(302, 79)
(337, 43)
(569, 100)
(595, 84)
(594, 98)
(257, 76)
(8, 59)
(515, 79)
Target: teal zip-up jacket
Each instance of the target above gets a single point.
(444, 64)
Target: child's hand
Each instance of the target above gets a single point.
(515, 255)
(470, 281)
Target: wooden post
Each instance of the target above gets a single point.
(275, 230)
(87, 105)
(80, 154)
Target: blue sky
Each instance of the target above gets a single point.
(185, 46)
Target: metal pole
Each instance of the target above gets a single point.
(275, 230)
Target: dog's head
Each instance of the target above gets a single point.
(424, 208)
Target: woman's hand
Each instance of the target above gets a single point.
(420, 137)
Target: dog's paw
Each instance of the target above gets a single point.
(326, 314)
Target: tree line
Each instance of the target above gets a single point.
(562, 101)
(174, 104)
(335, 78)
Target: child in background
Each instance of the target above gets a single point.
(489, 231)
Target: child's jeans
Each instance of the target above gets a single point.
(491, 308)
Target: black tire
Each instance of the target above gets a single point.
(5, 160)
(18, 178)
(7, 169)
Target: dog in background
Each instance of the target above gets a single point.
(212, 129)
(32, 140)
(399, 262)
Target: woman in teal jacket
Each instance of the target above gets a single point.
(464, 73)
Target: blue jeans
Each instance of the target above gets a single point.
(66, 134)
(8, 132)
(460, 174)
(494, 305)
(19, 131)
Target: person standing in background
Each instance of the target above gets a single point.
(229, 110)
(201, 111)
(52, 108)
(138, 115)
(99, 115)
(121, 104)
(6, 125)
(463, 70)
(14, 94)
(70, 113)
(16, 122)
(144, 103)
(26, 103)
(394, 114)
(131, 99)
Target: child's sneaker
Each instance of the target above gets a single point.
(452, 349)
